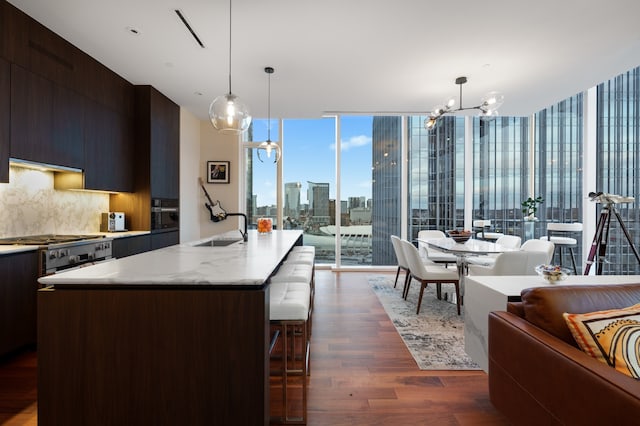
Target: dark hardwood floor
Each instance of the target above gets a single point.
(361, 371)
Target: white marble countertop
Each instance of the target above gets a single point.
(123, 234)
(241, 263)
(8, 249)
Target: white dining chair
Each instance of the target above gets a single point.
(402, 261)
(429, 273)
(519, 262)
(434, 255)
(539, 245)
(508, 241)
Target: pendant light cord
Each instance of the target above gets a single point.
(269, 109)
(229, 46)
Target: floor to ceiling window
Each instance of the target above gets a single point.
(355, 190)
(436, 175)
(260, 173)
(506, 168)
(500, 172)
(618, 165)
(559, 159)
(309, 180)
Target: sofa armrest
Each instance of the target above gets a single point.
(535, 378)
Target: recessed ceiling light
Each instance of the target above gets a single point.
(133, 30)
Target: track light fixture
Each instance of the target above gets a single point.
(488, 107)
(269, 146)
(227, 113)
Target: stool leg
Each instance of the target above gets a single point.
(560, 255)
(573, 261)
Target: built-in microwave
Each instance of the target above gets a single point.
(165, 214)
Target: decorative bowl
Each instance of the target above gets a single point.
(552, 273)
(459, 236)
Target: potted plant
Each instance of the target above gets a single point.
(530, 207)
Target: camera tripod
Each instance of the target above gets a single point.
(599, 244)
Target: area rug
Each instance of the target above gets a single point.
(435, 337)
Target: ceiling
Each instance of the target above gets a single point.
(357, 56)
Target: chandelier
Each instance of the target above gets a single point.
(227, 113)
(488, 107)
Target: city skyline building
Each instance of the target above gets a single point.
(319, 210)
(386, 135)
(292, 200)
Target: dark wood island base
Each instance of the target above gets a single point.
(157, 356)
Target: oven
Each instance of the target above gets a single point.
(165, 214)
(59, 253)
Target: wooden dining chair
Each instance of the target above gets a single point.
(426, 274)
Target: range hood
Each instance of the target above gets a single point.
(63, 177)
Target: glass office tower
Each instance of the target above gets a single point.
(386, 180)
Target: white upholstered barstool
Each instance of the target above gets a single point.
(291, 308)
(560, 235)
(288, 314)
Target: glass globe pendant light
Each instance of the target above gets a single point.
(227, 113)
(268, 145)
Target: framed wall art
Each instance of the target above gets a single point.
(217, 171)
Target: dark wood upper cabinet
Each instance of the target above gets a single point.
(5, 120)
(108, 149)
(31, 116)
(46, 120)
(158, 136)
(67, 132)
(66, 108)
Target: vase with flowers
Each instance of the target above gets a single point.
(530, 207)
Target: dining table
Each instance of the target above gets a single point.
(471, 247)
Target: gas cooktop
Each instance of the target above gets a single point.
(46, 239)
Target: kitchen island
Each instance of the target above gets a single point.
(173, 336)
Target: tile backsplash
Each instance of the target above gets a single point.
(29, 205)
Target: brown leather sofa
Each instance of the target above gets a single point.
(537, 374)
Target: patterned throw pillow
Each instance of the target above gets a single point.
(612, 337)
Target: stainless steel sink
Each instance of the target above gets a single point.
(219, 242)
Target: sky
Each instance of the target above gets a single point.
(309, 155)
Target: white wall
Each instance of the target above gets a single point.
(215, 146)
(189, 172)
(199, 143)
